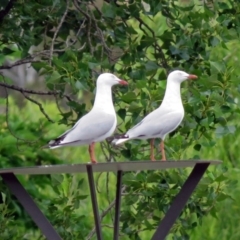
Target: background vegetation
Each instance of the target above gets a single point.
(50, 55)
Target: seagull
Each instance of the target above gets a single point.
(165, 119)
(98, 124)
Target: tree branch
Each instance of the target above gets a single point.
(23, 90)
(19, 62)
(163, 59)
(80, 10)
(104, 213)
(56, 32)
(89, 24)
(4, 12)
(8, 123)
(39, 105)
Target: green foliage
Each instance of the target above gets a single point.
(148, 200)
(140, 42)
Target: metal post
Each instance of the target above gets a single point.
(180, 201)
(117, 205)
(29, 205)
(94, 201)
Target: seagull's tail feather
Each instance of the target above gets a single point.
(120, 139)
(45, 146)
(55, 143)
(52, 144)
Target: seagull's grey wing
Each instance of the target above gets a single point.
(156, 125)
(150, 117)
(91, 126)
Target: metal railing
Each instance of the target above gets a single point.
(199, 168)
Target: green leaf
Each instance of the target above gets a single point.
(219, 66)
(82, 197)
(186, 9)
(135, 107)
(76, 204)
(57, 179)
(213, 212)
(7, 51)
(92, 65)
(108, 10)
(129, 97)
(81, 85)
(39, 65)
(225, 108)
(204, 122)
(150, 65)
(214, 41)
(54, 77)
(80, 183)
(131, 200)
(122, 113)
(222, 131)
(221, 178)
(197, 147)
(222, 196)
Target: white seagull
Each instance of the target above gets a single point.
(98, 124)
(165, 119)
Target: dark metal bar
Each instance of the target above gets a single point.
(117, 205)
(29, 205)
(180, 201)
(94, 202)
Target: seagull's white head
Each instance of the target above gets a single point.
(180, 76)
(110, 79)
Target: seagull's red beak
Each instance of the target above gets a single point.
(122, 82)
(191, 76)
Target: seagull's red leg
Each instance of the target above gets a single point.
(92, 153)
(152, 150)
(162, 151)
